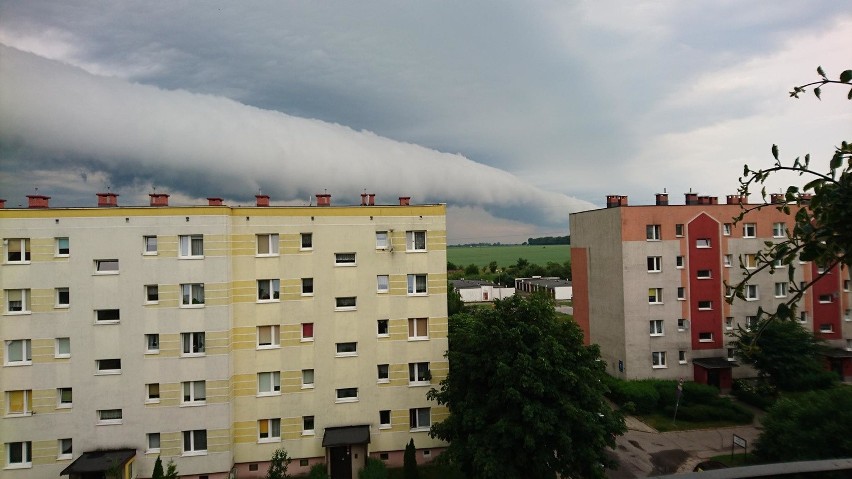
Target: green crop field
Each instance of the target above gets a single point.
(507, 255)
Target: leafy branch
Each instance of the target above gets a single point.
(844, 78)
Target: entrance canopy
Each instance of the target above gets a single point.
(99, 461)
(346, 435)
(714, 363)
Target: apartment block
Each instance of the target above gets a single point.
(650, 286)
(213, 335)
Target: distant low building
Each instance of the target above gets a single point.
(478, 291)
(556, 288)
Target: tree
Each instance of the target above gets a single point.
(492, 266)
(171, 470)
(409, 462)
(278, 465)
(822, 230)
(454, 301)
(810, 426)
(471, 270)
(525, 395)
(158, 469)
(785, 354)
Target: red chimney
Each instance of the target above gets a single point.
(776, 198)
(2, 204)
(159, 199)
(662, 199)
(324, 199)
(616, 200)
(404, 200)
(262, 200)
(691, 198)
(107, 199)
(736, 199)
(213, 201)
(38, 201)
(363, 199)
(371, 199)
(805, 198)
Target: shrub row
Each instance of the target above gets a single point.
(756, 392)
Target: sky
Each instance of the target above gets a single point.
(513, 113)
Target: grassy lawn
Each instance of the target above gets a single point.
(507, 255)
(665, 424)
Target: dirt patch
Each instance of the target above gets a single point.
(668, 462)
(635, 444)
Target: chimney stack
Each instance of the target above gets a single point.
(38, 201)
(159, 199)
(371, 199)
(323, 199)
(262, 200)
(776, 198)
(616, 200)
(805, 198)
(213, 201)
(363, 199)
(404, 200)
(691, 198)
(107, 200)
(736, 199)
(2, 204)
(662, 199)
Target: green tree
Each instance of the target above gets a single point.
(171, 470)
(492, 266)
(785, 354)
(471, 270)
(409, 462)
(525, 395)
(822, 230)
(454, 301)
(158, 469)
(451, 266)
(809, 426)
(278, 465)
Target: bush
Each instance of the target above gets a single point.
(642, 394)
(756, 392)
(318, 471)
(374, 469)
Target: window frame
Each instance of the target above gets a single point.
(274, 337)
(26, 454)
(656, 327)
(306, 241)
(190, 447)
(779, 232)
(679, 230)
(346, 259)
(658, 360)
(148, 440)
(382, 325)
(60, 404)
(149, 288)
(345, 395)
(751, 292)
(307, 286)
(413, 240)
(414, 419)
(57, 353)
(25, 295)
(273, 288)
(26, 353)
(749, 230)
(704, 338)
(305, 373)
(705, 305)
(308, 328)
(729, 323)
(682, 324)
(65, 451)
(419, 374)
(109, 315)
(383, 373)
(653, 232)
(192, 395)
(188, 293)
(726, 229)
(340, 347)
(26, 403)
(385, 419)
(58, 253)
(340, 300)
(152, 343)
(193, 344)
(306, 422)
(681, 293)
(728, 260)
(272, 242)
(110, 421)
(750, 322)
(274, 383)
(59, 293)
(781, 289)
(415, 288)
(100, 371)
(26, 254)
(150, 396)
(680, 262)
(704, 274)
(105, 266)
(655, 295)
(382, 283)
(681, 356)
(414, 329)
(150, 245)
(655, 264)
(272, 424)
(382, 244)
(703, 243)
(186, 247)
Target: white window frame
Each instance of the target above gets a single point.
(749, 230)
(731, 354)
(345, 354)
(26, 353)
(107, 314)
(826, 328)
(656, 327)
(658, 360)
(65, 447)
(803, 316)
(655, 295)
(385, 424)
(679, 262)
(338, 306)
(186, 246)
(706, 339)
(306, 239)
(58, 296)
(273, 425)
(681, 356)
(26, 453)
(58, 253)
(274, 379)
(847, 284)
(150, 439)
(307, 339)
(307, 282)
(148, 290)
(415, 241)
(383, 373)
(708, 307)
(189, 293)
(751, 292)
(729, 323)
(847, 314)
(193, 344)
(418, 285)
(273, 287)
(306, 422)
(655, 264)
(347, 398)
(781, 289)
(726, 229)
(382, 240)
(150, 245)
(379, 324)
(382, 283)
(271, 241)
(825, 298)
(345, 259)
(750, 260)
(779, 230)
(26, 406)
(681, 293)
(308, 378)
(653, 232)
(106, 417)
(729, 291)
(190, 440)
(25, 302)
(679, 230)
(24, 244)
(151, 398)
(682, 324)
(107, 266)
(152, 343)
(750, 322)
(419, 374)
(64, 405)
(58, 351)
(99, 371)
(413, 327)
(728, 260)
(274, 336)
(415, 421)
(193, 393)
(704, 274)
(703, 243)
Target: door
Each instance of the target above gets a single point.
(341, 463)
(713, 378)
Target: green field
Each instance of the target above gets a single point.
(507, 255)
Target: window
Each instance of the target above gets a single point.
(382, 283)
(106, 266)
(64, 398)
(192, 344)
(679, 229)
(382, 327)
(652, 232)
(345, 303)
(781, 289)
(728, 260)
(846, 284)
(346, 349)
(19, 403)
(152, 293)
(679, 262)
(381, 240)
(109, 416)
(420, 419)
(705, 305)
(307, 379)
(658, 359)
(191, 246)
(779, 230)
(751, 292)
(778, 263)
(384, 419)
(344, 259)
(703, 243)
(750, 261)
(415, 241)
(63, 297)
(729, 323)
(656, 327)
(383, 374)
(416, 284)
(18, 352)
(681, 293)
(65, 449)
(153, 442)
(194, 392)
(847, 315)
(307, 286)
(152, 343)
(152, 391)
(655, 264)
(269, 383)
(803, 317)
(18, 250)
(681, 357)
(268, 289)
(418, 328)
(268, 337)
(267, 245)
(192, 294)
(308, 425)
(347, 395)
(750, 322)
(705, 337)
(149, 245)
(63, 247)
(704, 274)
(682, 324)
(108, 366)
(826, 298)
(729, 291)
(730, 354)
(826, 328)
(655, 295)
(17, 301)
(307, 332)
(269, 430)
(726, 229)
(749, 230)
(63, 348)
(307, 241)
(107, 316)
(418, 374)
(195, 442)
(19, 455)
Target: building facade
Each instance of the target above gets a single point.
(650, 287)
(478, 291)
(214, 335)
(556, 288)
